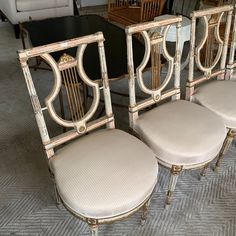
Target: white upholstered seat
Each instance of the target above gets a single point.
(220, 97)
(175, 133)
(101, 180)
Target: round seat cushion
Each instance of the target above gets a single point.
(104, 174)
(182, 133)
(219, 97)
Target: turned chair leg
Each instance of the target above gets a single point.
(228, 140)
(204, 170)
(145, 212)
(175, 172)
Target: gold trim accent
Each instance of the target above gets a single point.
(175, 170)
(65, 58)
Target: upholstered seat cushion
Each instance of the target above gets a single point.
(104, 174)
(182, 133)
(32, 5)
(220, 97)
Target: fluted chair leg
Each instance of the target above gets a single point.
(225, 147)
(94, 229)
(145, 212)
(175, 172)
(58, 199)
(203, 171)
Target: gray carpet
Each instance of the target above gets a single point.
(27, 204)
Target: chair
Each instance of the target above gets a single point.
(128, 12)
(219, 95)
(183, 135)
(23, 10)
(105, 175)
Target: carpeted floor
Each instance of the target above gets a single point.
(27, 204)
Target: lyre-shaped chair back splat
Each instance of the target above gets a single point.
(155, 46)
(69, 72)
(215, 59)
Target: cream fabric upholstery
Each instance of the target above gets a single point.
(32, 5)
(104, 174)
(182, 133)
(220, 97)
(13, 9)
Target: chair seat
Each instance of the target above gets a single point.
(182, 133)
(219, 97)
(104, 174)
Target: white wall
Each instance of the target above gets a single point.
(86, 3)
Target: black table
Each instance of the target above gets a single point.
(58, 29)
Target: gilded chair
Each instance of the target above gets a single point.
(183, 135)
(218, 95)
(100, 177)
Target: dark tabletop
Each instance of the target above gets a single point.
(58, 29)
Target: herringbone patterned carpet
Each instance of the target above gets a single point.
(27, 205)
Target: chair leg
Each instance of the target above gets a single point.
(94, 229)
(204, 170)
(225, 147)
(58, 199)
(145, 212)
(175, 171)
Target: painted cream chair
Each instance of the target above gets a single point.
(183, 135)
(105, 175)
(218, 95)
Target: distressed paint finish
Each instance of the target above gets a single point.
(209, 71)
(231, 62)
(80, 124)
(156, 94)
(84, 124)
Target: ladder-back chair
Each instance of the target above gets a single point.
(183, 135)
(105, 175)
(219, 95)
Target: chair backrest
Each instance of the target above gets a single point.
(231, 65)
(151, 9)
(79, 124)
(155, 44)
(215, 60)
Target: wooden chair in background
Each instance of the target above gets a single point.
(101, 177)
(128, 12)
